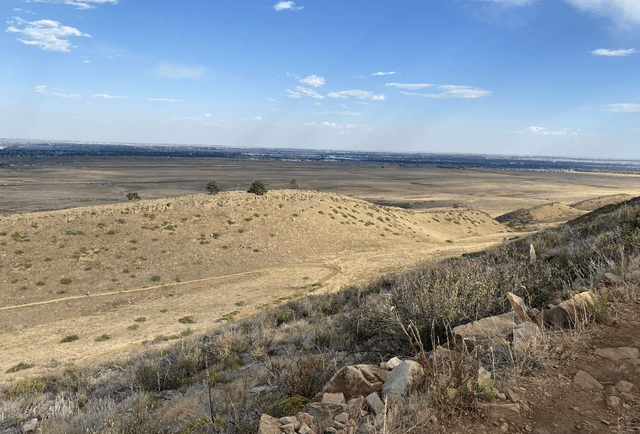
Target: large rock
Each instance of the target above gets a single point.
(269, 425)
(402, 379)
(520, 309)
(525, 336)
(354, 381)
(494, 330)
(571, 311)
(611, 279)
(586, 381)
(30, 426)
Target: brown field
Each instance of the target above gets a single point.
(180, 252)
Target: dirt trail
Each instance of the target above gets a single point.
(334, 271)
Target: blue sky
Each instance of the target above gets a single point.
(528, 77)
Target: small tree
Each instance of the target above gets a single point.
(257, 188)
(133, 196)
(212, 187)
(294, 184)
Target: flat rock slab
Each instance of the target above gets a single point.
(495, 411)
(269, 425)
(616, 354)
(497, 327)
(586, 381)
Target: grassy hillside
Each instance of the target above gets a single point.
(279, 358)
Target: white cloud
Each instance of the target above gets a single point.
(623, 108)
(166, 100)
(257, 118)
(105, 96)
(80, 4)
(454, 92)
(177, 72)
(300, 91)
(378, 97)
(313, 81)
(384, 73)
(44, 89)
(353, 94)
(623, 10)
(542, 131)
(344, 113)
(613, 53)
(329, 124)
(86, 61)
(410, 86)
(294, 76)
(287, 6)
(47, 34)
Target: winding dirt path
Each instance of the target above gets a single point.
(334, 272)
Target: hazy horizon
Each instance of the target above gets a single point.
(508, 77)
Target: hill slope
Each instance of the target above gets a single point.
(200, 255)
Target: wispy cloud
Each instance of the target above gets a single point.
(344, 113)
(105, 96)
(301, 91)
(542, 131)
(287, 6)
(44, 89)
(176, 72)
(454, 92)
(410, 86)
(622, 10)
(380, 97)
(623, 108)
(47, 34)
(313, 81)
(384, 73)
(613, 53)
(80, 4)
(166, 100)
(514, 2)
(351, 94)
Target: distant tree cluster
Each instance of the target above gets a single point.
(212, 187)
(257, 188)
(133, 196)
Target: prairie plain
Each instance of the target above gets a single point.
(77, 259)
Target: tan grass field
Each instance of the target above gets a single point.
(178, 253)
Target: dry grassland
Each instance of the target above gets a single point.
(212, 258)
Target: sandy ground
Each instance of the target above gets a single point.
(206, 256)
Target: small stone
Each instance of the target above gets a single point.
(288, 429)
(624, 386)
(342, 418)
(504, 427)
(586, 381)
(613, 401)
(333, 398)
(520, 309)
(501, 396)
(289, 419)
(609, 390)
(433, 419)
(527, 428)
(30, 426)
(375, 403)
(304, 429)
(512, 395)
(393, 362)
(269, 425)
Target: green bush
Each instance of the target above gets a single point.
(212, 187)
(69, 338)
(599, 308)
(103, 337)
(189, 319)
(257, 188)
(65, 281)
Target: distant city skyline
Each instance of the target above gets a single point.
(517, 77)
